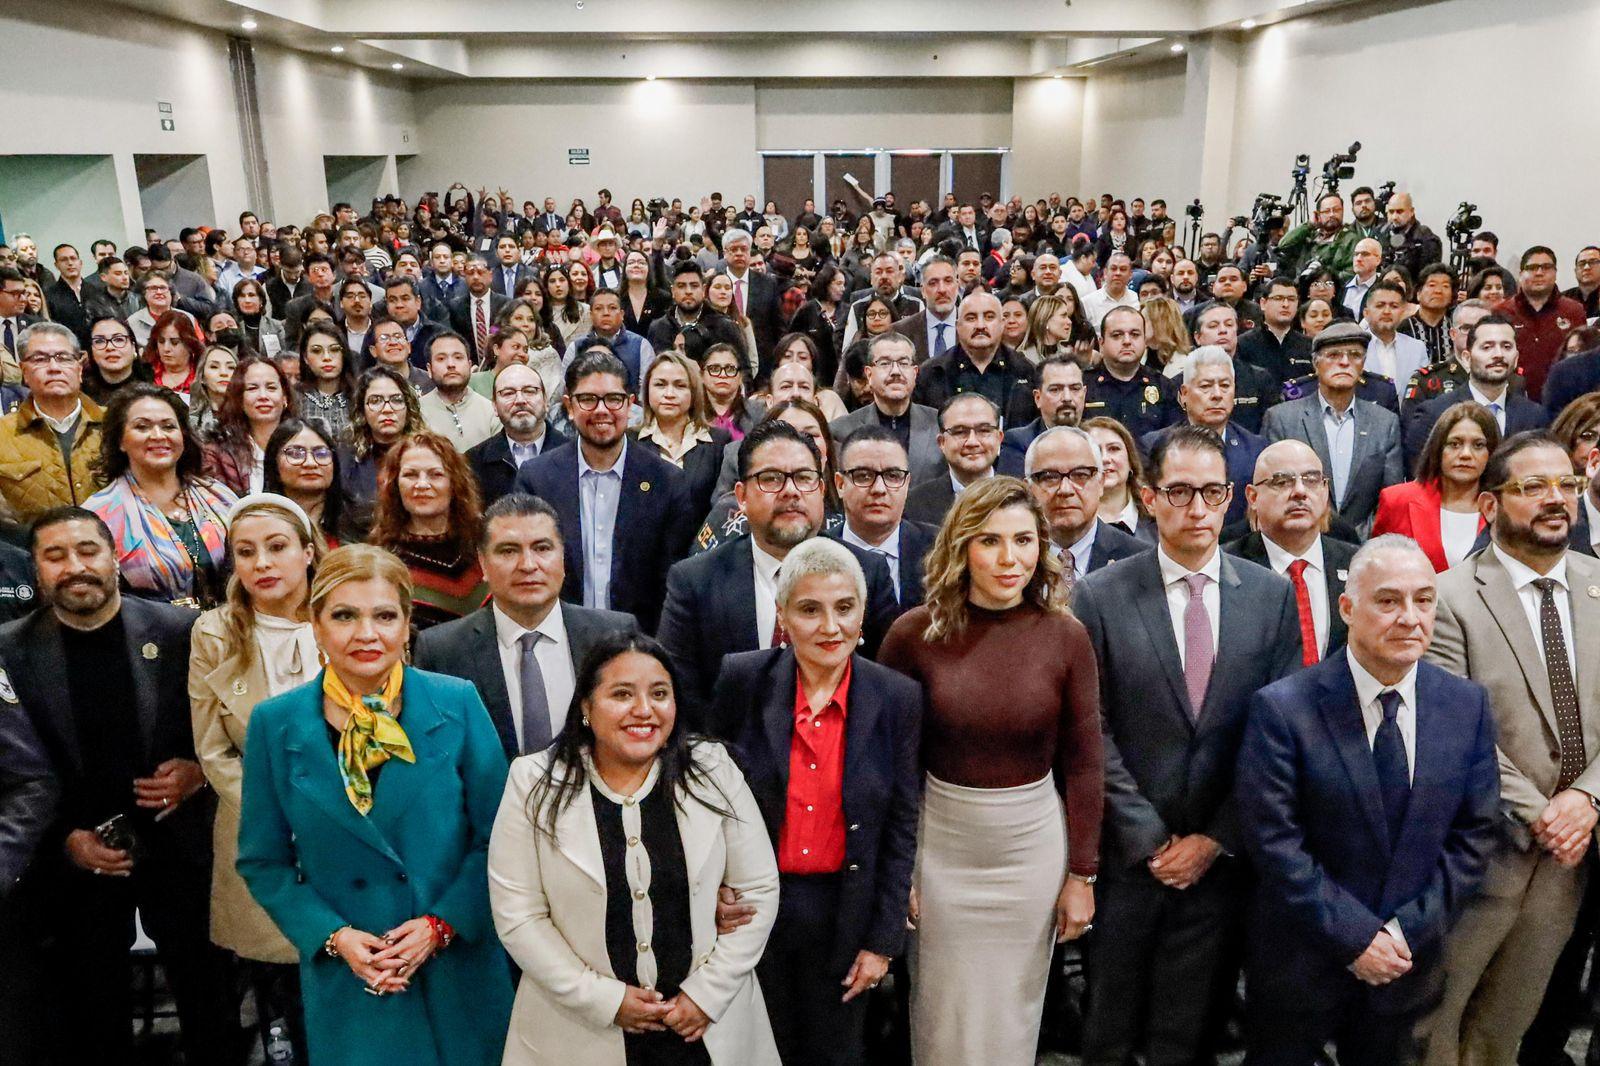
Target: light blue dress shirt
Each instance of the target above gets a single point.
(599, 494)
(1341, 433)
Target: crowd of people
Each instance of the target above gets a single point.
(472, 633)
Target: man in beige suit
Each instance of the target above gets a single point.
(1523, 619)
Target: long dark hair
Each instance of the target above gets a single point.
(112, 462)
(683, 775)
(333, 500)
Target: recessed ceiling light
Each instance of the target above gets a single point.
(397, 66)
(1177, 48)
(338, 49)
(649, 77)
(248, 24)
(1248, 24)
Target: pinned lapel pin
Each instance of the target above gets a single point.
(151, 651)
(239, 687)
(1594, 592)
(644, 486)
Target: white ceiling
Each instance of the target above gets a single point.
(712, 39)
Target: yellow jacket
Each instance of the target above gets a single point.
(33, 477)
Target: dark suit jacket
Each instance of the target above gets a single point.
(700, 468)
(294, 315)
(469, 648)
(915, 540)
(1312, 819)
(652, 532)
(37, 664)
(498, 280)
(761, 308)
(930, 501)
(496, 470)
(427, 329)
(754, 712)
(1243, 449)
(1569, 379)
(460, 314)
(432, 289)
(29, 789)
(1014, 447)
(936, 383)
(69, 308)
(915, 329)
(1336, 556)
(1112, 544)
(1419, 418)
(1169, 771)
(710, 612)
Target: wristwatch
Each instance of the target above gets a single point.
(1087, 879)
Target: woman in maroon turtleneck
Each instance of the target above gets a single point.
(1010, 836)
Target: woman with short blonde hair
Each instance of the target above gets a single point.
(1166, 337)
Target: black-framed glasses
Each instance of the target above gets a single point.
(1214, 494)
(963, 432)
(526, 392)
(120, 340)
(1571, 485)
(320, 454)
(893, 364)
(1284, 482)
(771, 482)
(721, 371)
(862, 477)
(1050, 480)
(378, 403)
(589, 401)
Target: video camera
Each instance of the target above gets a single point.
(1464, 225)
(1195, 210)
(1340, 168)
(1384, 194)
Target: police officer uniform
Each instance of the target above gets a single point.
(1144, 403)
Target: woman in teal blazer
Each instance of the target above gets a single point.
(369, 796)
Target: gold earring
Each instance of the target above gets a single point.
(322, 657)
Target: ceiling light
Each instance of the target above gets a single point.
(397, 66)
(1057, 77)
(338, 49)
(1177, 48)
(649, 77)
(248, 24)
(1248, 24)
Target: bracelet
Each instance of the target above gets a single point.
(443, 932)
(1087, 879)
(327, 945)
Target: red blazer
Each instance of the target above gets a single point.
(1412, 508)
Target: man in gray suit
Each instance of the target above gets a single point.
(1357, 441)
(1522, 618)
(1184, 636)
(891, 375)
(932, 330)
(524, 651)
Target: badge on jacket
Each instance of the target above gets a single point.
(150, 650)
(7, 692)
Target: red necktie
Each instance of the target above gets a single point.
(481, 329)
(1302, 602)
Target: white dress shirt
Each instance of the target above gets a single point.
(766, 571)
(1097, 303)
(1172, 575)
(1368, 689)
(554, 656)
(1458, 532)
(1522, 579)
(1593, 514)
(1127, 518)
(1316, 578)
(889, 549)
(1496, 407)
(1082, 548)
(1397, 360)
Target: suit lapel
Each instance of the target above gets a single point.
(489, 674)
(1342, 715)
(777, 713)
(577, 835)
(861, 721)
(571, 511)
(403, 781)
(1152, 602)
(1311, 419)
(144, 658)
(46, 665)
(737, 591)
(629, 503)
(1494, 588)
(1585, 607)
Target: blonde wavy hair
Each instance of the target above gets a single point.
(238, 613)
(1165, 332)
(945, 570)
(360, 562)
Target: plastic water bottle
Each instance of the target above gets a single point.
(279, 1048)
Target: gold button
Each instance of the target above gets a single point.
(643, 948)
(628, 802)
(633, 842)
(638, 893)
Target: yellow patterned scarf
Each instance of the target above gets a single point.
(370, 736)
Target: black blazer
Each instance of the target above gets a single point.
(37, 665)
(496, 470)
(461, 320)
(1112, 544)
(710, 611)
(1336, 556)
(936, 383)
(754, 713)
(930, 501)
(1569, 379)
(1014, 448)
(761, 308)
(469, 648)
(497, 281)
(653, 528)
(1419, 418)
(915, 540)
(29, 788)
(701, 465)
(1167, 773)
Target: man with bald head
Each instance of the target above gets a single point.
(1366, 260)
(1290, 507)
(1415, 245)
(979, 363)
(1046, 277)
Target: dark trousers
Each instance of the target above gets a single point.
(1154, 963)
(800, 975)
(1283, 1035)
(23, 1038)
(90, 931)
(1564, 1000)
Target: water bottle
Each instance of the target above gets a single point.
(279, 1048)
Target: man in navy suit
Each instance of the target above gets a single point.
(625, 513)
(1207, 395)
(1369, 793)
(403, 302)
(1059, 396)
(1184, 637)
(1491, 366)
(724, 600)
(873, 480)
(1063, 467)
(509, 270)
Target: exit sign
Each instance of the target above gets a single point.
(577, 157)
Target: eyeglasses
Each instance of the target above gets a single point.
(299, 453)
(1539, 268)
(963, 432)
(588, 401)
(1050, 480)
(121, 340)
(1215, 494)
(721, 371)
(1311, 479)
(862, 477)
(771, 482)
(529, 392)
(51, 359)
(1568, 485)
(378, 403)
(894, 364)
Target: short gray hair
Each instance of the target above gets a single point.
(1469, 305)
(1367, 555)
(817, 557)
(47, 329)
(1204, 356)
(891, 337)
(1059, 431)
(736, 236)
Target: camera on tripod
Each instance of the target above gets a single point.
(1195, 210)
(1301, 169)
(1464, 225)
(1384, 194)
(1340, 168)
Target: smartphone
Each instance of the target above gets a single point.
(116, 833)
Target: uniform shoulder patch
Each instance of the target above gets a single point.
(8, 693)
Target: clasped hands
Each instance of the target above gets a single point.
(1384, 960)
(1564, 827)
(645, 1010)
(1183, 860)
(387, 963)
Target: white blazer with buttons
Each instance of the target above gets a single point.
(549, 901)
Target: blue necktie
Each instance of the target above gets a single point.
(1389, 756)
(940, 344)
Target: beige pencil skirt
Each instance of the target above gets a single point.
(990, 864)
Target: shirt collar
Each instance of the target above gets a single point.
(889, 547)
(1481, 400)
(1281, 557)
(1129, 515)
(585, 469)
(508, 631)
(62, 425)
(1522, 575)
(959, 487)
(839, 701)
(1173, 571)
(1369, 687)
(1083, 547)
(766, 565)
(691, 436)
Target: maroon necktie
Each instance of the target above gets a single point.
(1302, 603)
(481, 328)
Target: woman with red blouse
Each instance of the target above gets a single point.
(1010, 836)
